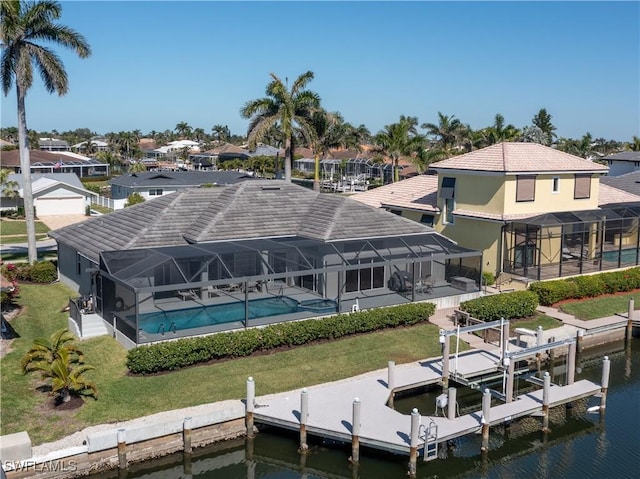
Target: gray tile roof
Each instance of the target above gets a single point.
(182, 179)
(249, 209)
(624, 156)
(629, 182)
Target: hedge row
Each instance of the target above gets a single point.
(518, 304)
(39, 272)
(171, 355)
(551, 292)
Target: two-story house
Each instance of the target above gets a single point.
(534, 211)
(623, 162)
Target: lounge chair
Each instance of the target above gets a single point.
(213, 292)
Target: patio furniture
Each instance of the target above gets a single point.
(191, 294)
(213, 292)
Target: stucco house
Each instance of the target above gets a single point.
(53, 194)
(159, 183)
(623, 162)
(55, 162)
(535, 212)
(208, 259)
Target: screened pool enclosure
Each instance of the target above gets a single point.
(167, 292)
(569, 243)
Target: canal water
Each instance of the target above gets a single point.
(580, 444)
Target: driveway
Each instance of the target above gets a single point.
(55, 222)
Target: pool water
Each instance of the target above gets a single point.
(161, 321)
(626, 256)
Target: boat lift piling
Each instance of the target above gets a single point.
(304, 415)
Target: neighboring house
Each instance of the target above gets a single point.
(55, 162)
(623, 162)
(159, 183)
(53, 194)
(252, 253)
(535, 212)
(98, 145)
(629, 182)
(53, 144)
(6, 144)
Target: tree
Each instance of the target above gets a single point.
(137, 167)
(22, 26)
(61, 362)
(9, 188)
(499, 132)
(397, 141)
(448, 133)
(542, 120)
(289, 109)
(533, 134)
(134, 199)
(634, 145)
(221, 133)
(183, 130)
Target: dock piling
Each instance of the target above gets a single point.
(445, 359)
(415, 432)
(629, 331)
(355, 431)
(510, 364)
(545, 401)
(486, 419)
(122, 449)
(391, 381)
(186, 435)
(571, 363)
(451, 403)
(304, 414)
(606, 366)
(251, 397)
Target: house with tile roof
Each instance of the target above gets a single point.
(55, 162)
(534, 211)
(208, 259)
(623, 162)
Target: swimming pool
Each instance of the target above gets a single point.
(626, 256)
(177, 320)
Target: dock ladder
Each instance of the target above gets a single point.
(430, 442)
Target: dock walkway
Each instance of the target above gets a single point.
(330, 406)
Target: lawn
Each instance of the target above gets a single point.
(602, 306)
(547, 322)
(19, 227)
(123, 397)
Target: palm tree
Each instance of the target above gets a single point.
(8, 188)
(22, 25)
(634, 145)
(183, 130)
(533, 134)
(448, 133)
(397, 141)
(289, 109)
(66, 377)
(499, 132)
(221, 133)
(45, 351)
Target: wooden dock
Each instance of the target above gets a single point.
(330, 406)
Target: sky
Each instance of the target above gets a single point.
(157, 63)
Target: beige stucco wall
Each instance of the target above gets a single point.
(480, 235)
(476, 192)
(546, 200)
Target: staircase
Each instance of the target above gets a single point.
(92, 326)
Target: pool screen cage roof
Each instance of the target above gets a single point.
(582, 217)
(251, 260)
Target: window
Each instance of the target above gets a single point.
(449, 206)
(155, 192)
(396, 212)
(525, 188)
(556, 185)
(365, 278)
(427, 220)
(448, 188)
(582, 187)
(78, 264)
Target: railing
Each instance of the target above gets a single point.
(102, 201)
(75, 313)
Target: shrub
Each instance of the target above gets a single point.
(551, 292)
(488, 278)
(588, 286)
(518, 304)
(177, 354)
(44, 272)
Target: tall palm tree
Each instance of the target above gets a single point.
(183, 130)
(634, 145)
(289, 109)
(448, 133)
(397, 141)
(22, 26)
(499, 132)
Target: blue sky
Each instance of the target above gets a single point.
(158, 63)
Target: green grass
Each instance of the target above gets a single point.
(601, 307)
(123, 397)
(20, 238)
(547, 322)
(19, 227)
(101, 209)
